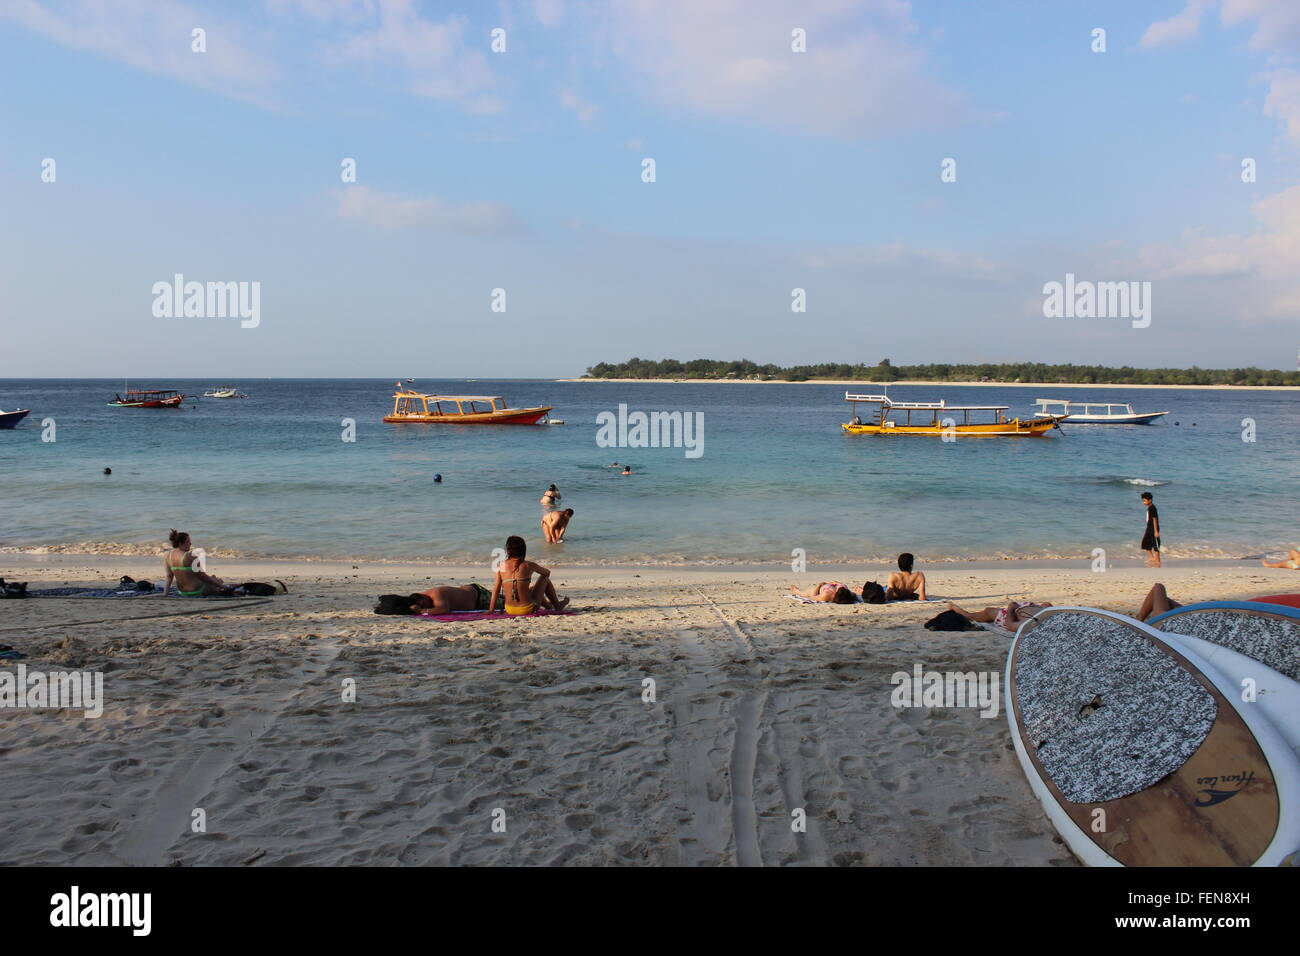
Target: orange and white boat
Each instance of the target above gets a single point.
(411, 407)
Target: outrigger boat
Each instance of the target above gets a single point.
(1095, 413)
(417, 407)
(10, 419)
(939, 418)
(148, 398)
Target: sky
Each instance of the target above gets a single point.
(920, 170)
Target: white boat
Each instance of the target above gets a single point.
(224, 391)
(1095, 413)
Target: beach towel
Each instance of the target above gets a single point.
(486, 615)
(117, 592)
(997, 630)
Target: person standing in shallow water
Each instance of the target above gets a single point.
(1151, 536)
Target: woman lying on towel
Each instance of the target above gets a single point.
(1008, 618)
(513, 580)
(191, 581)
(827, 592)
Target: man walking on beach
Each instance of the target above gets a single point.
(1151, 536)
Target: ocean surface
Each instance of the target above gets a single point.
(271, 476)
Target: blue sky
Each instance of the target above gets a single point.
(521, 170)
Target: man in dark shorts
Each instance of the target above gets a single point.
(1151, 536)
(450, 598)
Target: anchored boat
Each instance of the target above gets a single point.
(940, 418)
(10, 419)
(419, 408)
(224, 391)
(148, 398)
(1095, 413)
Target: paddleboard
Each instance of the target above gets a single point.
(1247, 641)
(1138, 749)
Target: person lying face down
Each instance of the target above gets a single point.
(447, 599)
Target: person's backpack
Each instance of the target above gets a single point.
(950, 621)
(394, 604)
(873, 593)
(12, 589)
(257, 588)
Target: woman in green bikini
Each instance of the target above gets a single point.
(190, 581)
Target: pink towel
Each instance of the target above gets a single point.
(484, 615)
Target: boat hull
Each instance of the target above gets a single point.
(10, 419)
(509, 416)
(1145, 418)
(1014, 427)
(174, 402)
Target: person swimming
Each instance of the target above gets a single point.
(437, 479)
(627, 470)
(513, 580)
(190, 581)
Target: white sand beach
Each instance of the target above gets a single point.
(762, 707)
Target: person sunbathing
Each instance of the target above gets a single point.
(905, 584)
(1157, 601)
(514, 577)
(450, 598)
(1008, 618)
(191, 581)
(1292, 561)
(826, 592)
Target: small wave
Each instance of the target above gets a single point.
(1145, 482)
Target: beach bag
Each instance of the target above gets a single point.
(12, 589)
(257, 588)
(873, 593)
(393, 604)
(950, 621)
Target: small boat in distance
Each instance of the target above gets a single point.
(416, 407)
(1095, 413)
(939, 418)
(224, 391)
(10, 419)
(148, 398)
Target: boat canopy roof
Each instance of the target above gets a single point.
(407, 393)
(888, 402)
(150, 391)
(1084, 405)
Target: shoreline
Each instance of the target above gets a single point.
(937, 382)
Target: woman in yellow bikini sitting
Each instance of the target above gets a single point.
(190, 581)
(513, 577)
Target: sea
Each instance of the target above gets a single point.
(776, 480)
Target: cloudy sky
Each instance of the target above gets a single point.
(522, 170)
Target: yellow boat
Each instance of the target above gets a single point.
(940, 418)
(410, 407)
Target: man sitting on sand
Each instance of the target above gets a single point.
(826, 592)
(1291, 561)
(554, 523)
(905, 584)
(450, 598)
(513, 579)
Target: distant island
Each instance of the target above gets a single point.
(885, 371)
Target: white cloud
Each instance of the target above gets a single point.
(155, 36)
(944, 261)
(570, 100)
(863, 72)
(1178, 28)
(1277, 22)
(1283, 100)
(392, 211)
(548, 12)
(433, 59)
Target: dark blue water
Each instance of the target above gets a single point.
(270, 475)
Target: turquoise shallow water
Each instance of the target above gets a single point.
(270, 475)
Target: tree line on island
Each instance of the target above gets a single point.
(886, 371)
